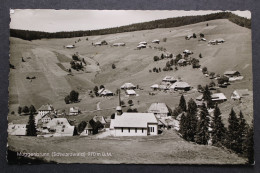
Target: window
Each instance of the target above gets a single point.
(142, 130)
(135, 130)
(129, 130)
(122, 129)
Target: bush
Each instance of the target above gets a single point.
(67, 99)
(130, 102)
(156, 58)
(113, 66)
(25, 110)
(194, 35)
(204, 70)
(75, 57)
(164, 39)
(74, 95)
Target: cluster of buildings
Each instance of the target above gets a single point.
(172, 84)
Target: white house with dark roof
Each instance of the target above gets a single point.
(105, 92)
(134, 124)
(169, 79)
(44, 109)
(156, 41)
(159, 109)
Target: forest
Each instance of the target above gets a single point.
(162, 23)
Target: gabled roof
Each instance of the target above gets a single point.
(180, 85)
(158, 108)
(181, 61)
(242, 92)
(141, 45)
(230, 72)
(134, 120)
(154, 41)
(47, 107)
(88, 126)
(169, 78)
(143, 42)
(74, 109)
(130, 92)
(104, 91)
(70, 46)
(155, 86)
(218, 96)
(50, 115)
(128, 85)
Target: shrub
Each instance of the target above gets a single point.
(164, 39)
(113, 66)
(204, 70)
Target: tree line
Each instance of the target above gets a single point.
(162, 23)
(196, 125)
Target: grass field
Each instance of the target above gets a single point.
(48, 61)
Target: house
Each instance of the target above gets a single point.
(70, 46)
(101, 119)
(156, 41)
(163, 87)
(203, 39)
(128, 86)
(98, 43)
(155, 86)
(220, 40)
(140, 46)
(44, 109)
(188, 52)
(238, 94)
(47, 117)
(134, 124)
(182, 62)
(88, 130)
(143, 42)
(74, 111)
(119, 44)
(159, 109)
(169, 79)
(230, 74)
(218, 97)
(16, 129)
(180, 86)
(60, 127)
(131, 92)
(105, 92)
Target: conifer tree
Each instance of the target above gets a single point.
(207, 97)
(183, 126)
(31, 128)
(32, 109)
(182, 104)
(242, 132)
(249, 143)
(192, 120)
(19, 110)
(232, 138)
(218, 128)
(202, 131)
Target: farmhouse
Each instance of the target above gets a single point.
(88, 130)
(230, 74)
(105, 92)
(203, 39)
(119, 44)
(70, 46)
(44, 109)
(16, 129)
(156, 41)
(182, 62)
(188, 52)
(218, 97)
(180, 86)
(98, 43)
(143, 42)
(238, 94)
(155, 86)
(140, 46)
(169, 79)
(60, 127)
(130, 92)
(47, 117)
(128, 86)
(159, 109)
(134, 124)
(74, 111)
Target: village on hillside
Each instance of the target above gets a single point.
(191, 83)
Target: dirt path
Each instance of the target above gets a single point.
(98, 106)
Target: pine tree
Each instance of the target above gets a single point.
(19, 110)
(202, 131)
(242, 132)
(207, 97)
(182, 104)
(31, 128)
(249, 143)
(218, 128)
(191, 120)
(183, 126)
(232, 138)
(32, 109)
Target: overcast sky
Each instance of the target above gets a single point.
(75, 20)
